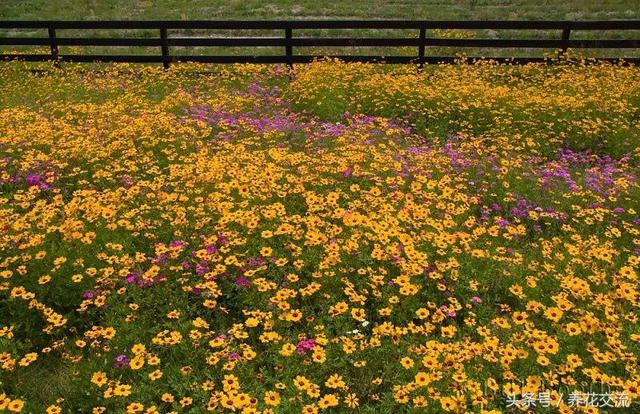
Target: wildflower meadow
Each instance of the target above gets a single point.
(330, 238)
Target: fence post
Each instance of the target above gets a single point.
(165, 47)
(53, 44)
(288, 35)
(566, 32)
(421, 47)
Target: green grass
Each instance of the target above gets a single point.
(307, 9)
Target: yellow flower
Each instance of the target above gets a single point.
(15, 406)
(328, 401)
(358, 314)
(448, 404)
(335, 381)
(406, 362)
(351, 401)
(266, 251)
(122, 390)
(54, 409)
(422, 313)
(135, 407)
(138, 349)
(99, 378)
(136, 363)
(272, 398)
(155, 375)
(309, 409)
(422, 379)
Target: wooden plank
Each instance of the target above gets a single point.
(328, 24)
(326, 41)
(80, 41)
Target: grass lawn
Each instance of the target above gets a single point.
(349, 9)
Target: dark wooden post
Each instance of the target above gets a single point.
(53, 44)
(165, 47)
(421, 47)
(566, 32)
(288, 35)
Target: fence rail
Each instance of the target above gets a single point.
(165, 42)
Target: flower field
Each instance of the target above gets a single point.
(348, 237)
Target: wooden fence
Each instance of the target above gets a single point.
(164, 41)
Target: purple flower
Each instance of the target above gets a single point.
(476, 299)
(242, 281)
(127, 181)
(33, 179)
(256, 261)
(121, 361)
(201, 270)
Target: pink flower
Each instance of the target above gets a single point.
(306, 345)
